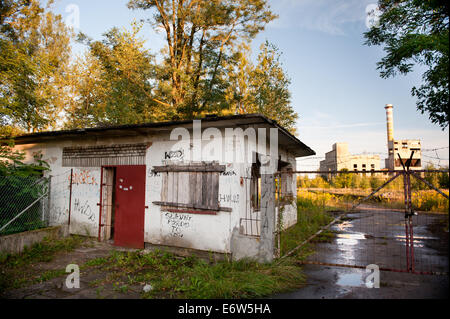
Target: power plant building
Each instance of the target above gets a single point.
(339, 158)
(400, 150)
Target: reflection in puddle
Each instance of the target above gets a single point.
(349, 239)
(354, 280)
(418, 240)
(344, 225)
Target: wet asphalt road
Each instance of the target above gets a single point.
(377, 236)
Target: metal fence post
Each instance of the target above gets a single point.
(49, 197)
(267, 217)
(70, 195)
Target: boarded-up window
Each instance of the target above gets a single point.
(193, 186)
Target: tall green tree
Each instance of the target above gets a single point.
(261, 88)
(416, 32)
(200, 36)
(112, 83)
(34, 57)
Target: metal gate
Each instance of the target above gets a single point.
(394, 239)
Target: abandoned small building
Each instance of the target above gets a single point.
(141, 184)
(339, 158)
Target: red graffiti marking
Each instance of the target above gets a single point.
(83, 177)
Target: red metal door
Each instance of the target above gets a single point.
(130, 206)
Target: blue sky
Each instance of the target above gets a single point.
(335, 86)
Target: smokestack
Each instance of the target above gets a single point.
(389, 122)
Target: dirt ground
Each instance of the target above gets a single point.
(377, 236)
(56, 288)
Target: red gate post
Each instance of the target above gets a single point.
(410, 221)
(100, 205)
(70, 195)
(405, 188)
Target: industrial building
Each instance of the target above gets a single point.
(339, 158)
(400, 150)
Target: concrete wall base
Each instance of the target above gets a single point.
(187, 252)
(15, 243)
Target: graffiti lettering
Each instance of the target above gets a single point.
(229, 173)
(58, 213)
(153, 174)
(229, 198)
(179, 154)
(177, 223)
(83, 177)
(84, 209)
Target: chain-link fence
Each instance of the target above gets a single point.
(24, 203)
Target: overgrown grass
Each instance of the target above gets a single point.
(172, 276)
(422, 200)
(15, 269)
(189, 277)
(312, 214)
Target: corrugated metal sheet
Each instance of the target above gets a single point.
(95, 156)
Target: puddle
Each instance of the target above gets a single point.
(418, 240)
(352, 280)
(349, 239)
(344, 225)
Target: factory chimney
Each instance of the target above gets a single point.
(389, 122)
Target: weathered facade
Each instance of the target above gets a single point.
(171, 184)
(339, 158)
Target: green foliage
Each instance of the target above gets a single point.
(417, 32)
(444, 181)
(192, 277)
(372, 182)
(15, 267)
(34, 56)
(203, 68)
(204, 39)
(111, 84)
(311, 216)
(20, 185)
(343, 180)
(262, 88)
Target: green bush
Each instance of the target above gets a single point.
(21, 184)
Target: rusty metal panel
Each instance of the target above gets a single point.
(95, 156)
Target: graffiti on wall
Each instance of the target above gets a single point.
(83, 209)
(228, 173)
(58, 214)
(171, 155)
(228, 198)
(83, 176)
(178, 223)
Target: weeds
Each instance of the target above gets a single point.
(172, 276)
(15, 268)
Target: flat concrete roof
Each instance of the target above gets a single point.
(285, 138)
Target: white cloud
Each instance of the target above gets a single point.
(328, 16)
